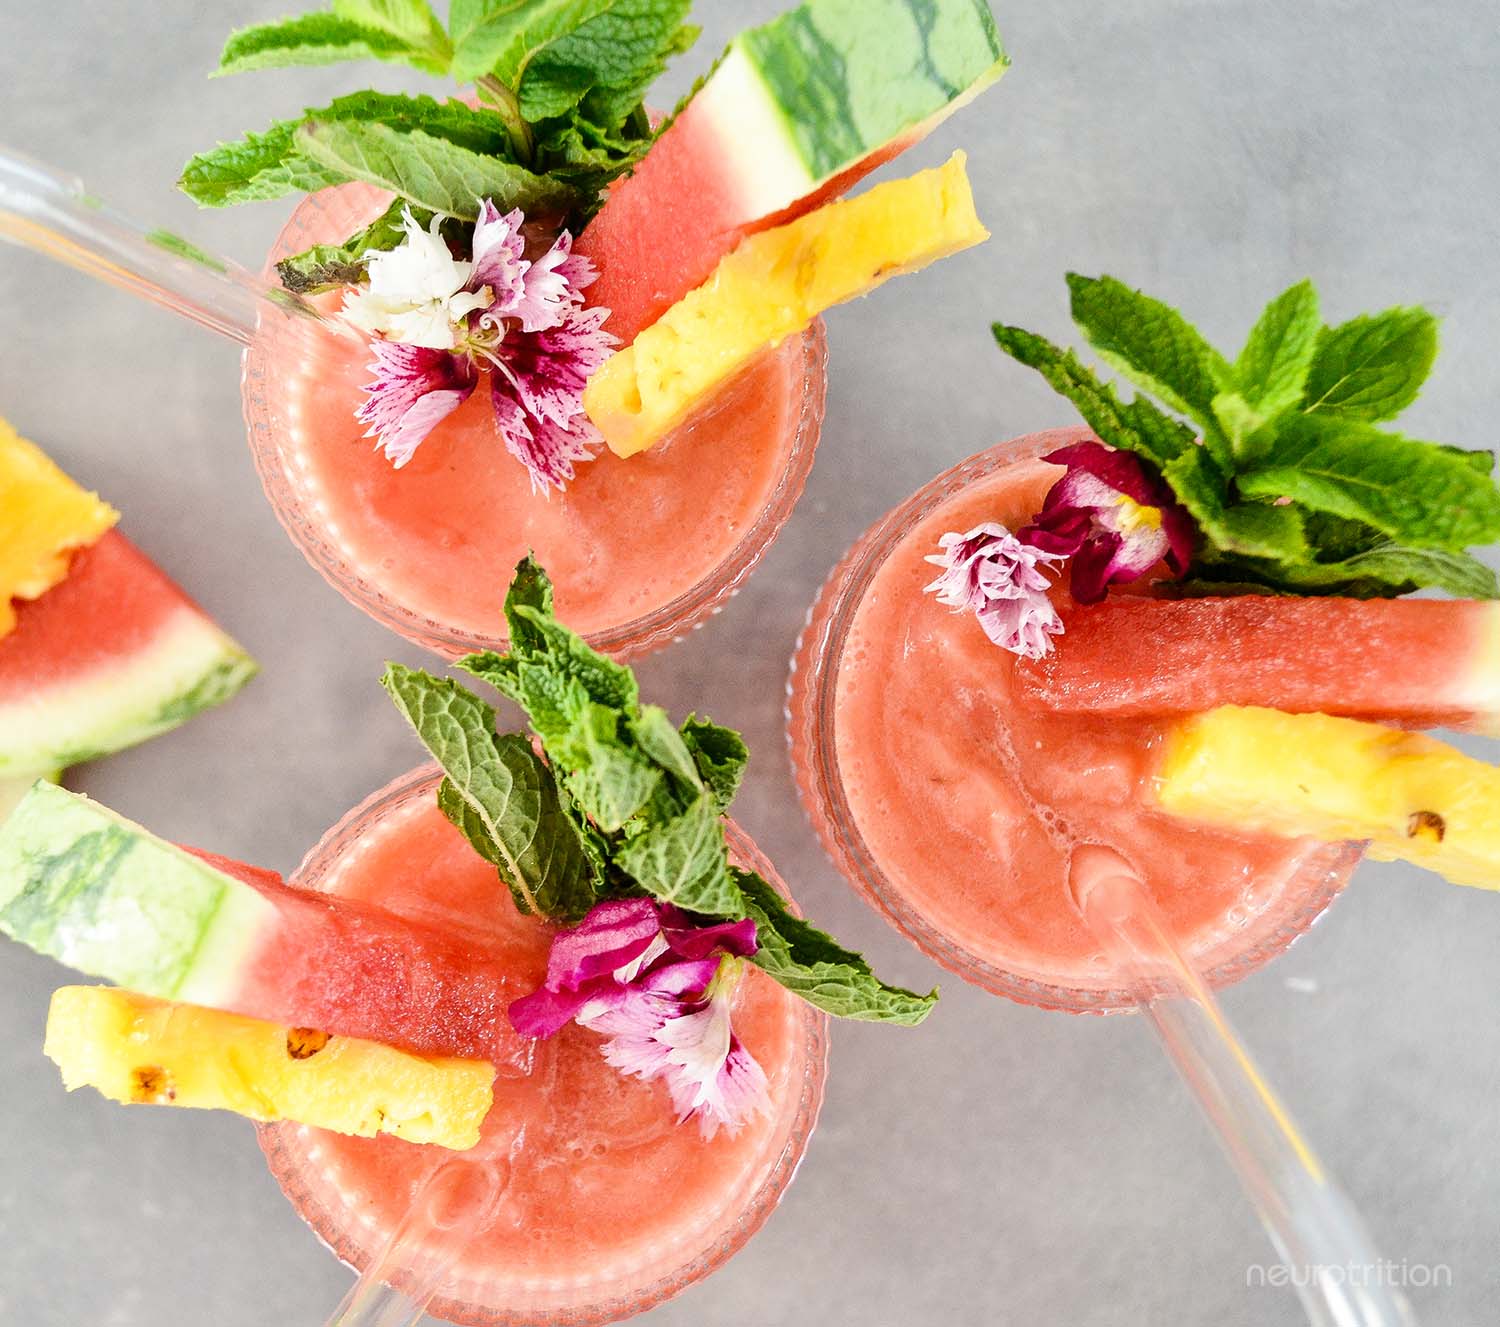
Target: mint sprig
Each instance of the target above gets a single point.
(561, 86)
(623, 804)
(1293, 485)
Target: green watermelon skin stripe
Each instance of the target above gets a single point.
(86, 887)
(849, 76)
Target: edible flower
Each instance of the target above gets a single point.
(1112, 518)
(659, 987)
(1000, 578)
(439, 321)
(417, 293)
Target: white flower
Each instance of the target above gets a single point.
(417, 291)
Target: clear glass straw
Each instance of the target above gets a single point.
(454, 1203)
(1334, 1267)
(51, 212)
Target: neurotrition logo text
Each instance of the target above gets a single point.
(1402, 1275)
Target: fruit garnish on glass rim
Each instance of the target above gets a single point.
(772, 286)
(470, 274)
(1280, 480)
(143, 1051)
(612, 821)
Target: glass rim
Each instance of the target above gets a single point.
(811, 689)
(610, 1302)
(637, 636)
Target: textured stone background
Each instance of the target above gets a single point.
(1002, 1164)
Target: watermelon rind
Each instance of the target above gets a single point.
(13, 787)
(104, 896)
(811, 93)
(189, 666)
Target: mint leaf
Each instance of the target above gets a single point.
(271, 164)
(610, 778)
(1418, 494)
(612, 59)
(1151, 344)
(1272, 368)
(1243, 426)
(1246, 529)
(811, 963)
(589, 159)
(664, 744)
(1372, 367)
(500, 37)
(410, 21)
(259, 166)
(328, 266)
(498, 793)
(1137, 427)
(602, 679)
(720, 755)
(1392, 569)
(428, 171)
(312, 39)
(685, 861)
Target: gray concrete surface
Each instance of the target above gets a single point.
(1002, 1165)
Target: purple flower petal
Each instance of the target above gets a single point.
(551, 288)
(1114, 517)
(691, 941)
(1121, 471)
(659, 990)
(499, 253)
(415, 388)
(522, 319)
(998, 577)
(546, 1012)
(547, 450)
(550, 368)
(615, 933)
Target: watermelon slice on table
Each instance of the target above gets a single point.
(795, 113)
(1422, 663)
(108, 898)
(113, 654)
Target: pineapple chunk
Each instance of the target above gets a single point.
(1414, 798)
(137, 1049)
(44, 518)
(772, 286)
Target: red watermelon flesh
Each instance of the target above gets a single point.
(348, 967)
(111, 655)
(1419, 663)
(686, 187)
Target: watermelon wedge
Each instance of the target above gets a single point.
(111, 655)
(795, 113)
(1420, 663)
(106, 897)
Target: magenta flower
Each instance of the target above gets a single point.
(659, 987)
(415, 389)
(439, 321)
(1112, 518)
(993, 574)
